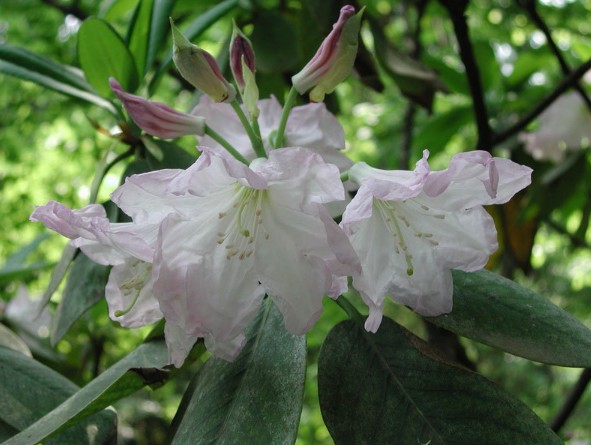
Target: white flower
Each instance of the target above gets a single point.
(564, 125)
(236, 233)
(127, 247)
(411, 228)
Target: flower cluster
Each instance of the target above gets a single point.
(253, 216)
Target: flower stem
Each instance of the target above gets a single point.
(291, 97)
(351, 310)
(224, 143)
(345, 176)
(255, 140)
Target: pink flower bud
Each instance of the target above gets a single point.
(157, 118)
(199, 68)
(333, 60)
(240, 51)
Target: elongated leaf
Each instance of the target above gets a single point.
(120, 380)
(498, 312)
(28, 390)
(58, 274)
(193, 31)
(138, 39)
(158, 30)
(10, 340)
(391, 388)
(255, 400)
(102, 54)
(48, 82)
(85, 287)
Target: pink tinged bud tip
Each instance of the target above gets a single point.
(199, 68)
(241, 52)
(157, 118)
(334, 60)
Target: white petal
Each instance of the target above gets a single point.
(179, 343)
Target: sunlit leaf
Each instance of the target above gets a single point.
(103, 54)
(47, 73)
(498, 312)
(29, 390)
(10, 340)
(138, 34)
(391, 387)
(255, 400)
(85, 287)
(120, 380)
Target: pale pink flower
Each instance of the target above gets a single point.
(240, 232)
(411, 228)
(127, 247)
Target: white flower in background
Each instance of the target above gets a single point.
(411, 228)
(310, 126)
(564, 125)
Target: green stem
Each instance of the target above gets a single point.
(289, 102)
(102, 170)
(257, 143)
(351, 310)
(345, 176)
(224, 143)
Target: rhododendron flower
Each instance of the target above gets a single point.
(564, 125)
(240, 232)
(157, 118)
(310, 126)
(411, 228)
(125, 246)
(334, 60)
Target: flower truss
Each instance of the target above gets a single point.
(249, 218)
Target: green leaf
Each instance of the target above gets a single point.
(193, 31)
(64, 79)
(498, 312)
(391, 387)
(415, 80)
(439, 130)
(10, 340)
(85, 287)
(139, 32)
(120, 380)
(28, 390)
(274, 40)
(255, 400)
(159, 29)
(58, 274)
(102, 54)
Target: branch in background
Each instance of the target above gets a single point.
(571, 401)
(457, 10)
(530, 7)
(567, 83)
(409, 114)
(72, 9)
(574, 239)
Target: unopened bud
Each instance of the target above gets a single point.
(334, 60)
(157, 118)
(250, 93)
(241, 52)
(199, 68)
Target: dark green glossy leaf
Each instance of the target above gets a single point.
(416, 81)
(255, 400)
(64, 79)
(29, 390)
(392, 388)
(274, 40)
(159, 29)
(102, 54)
(120, 380)
(193, 31)
(498, 312)
(139, 32)
(85, 287)
(10, 340)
